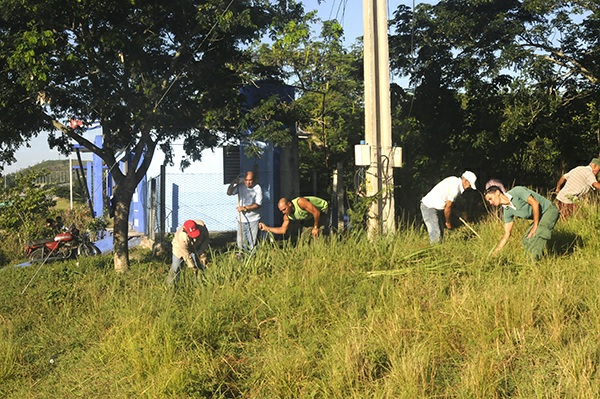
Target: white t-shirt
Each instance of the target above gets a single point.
(446, 190)
(249, 196)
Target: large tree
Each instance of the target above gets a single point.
(328, 81)
(149, 71)
(519, 76)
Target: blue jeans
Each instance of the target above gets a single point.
(434, 223)
(176, 266)
(246, 238)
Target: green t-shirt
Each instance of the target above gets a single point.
(520, 207)
(301, 214)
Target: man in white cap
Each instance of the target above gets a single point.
(436, 206)
(189, 245)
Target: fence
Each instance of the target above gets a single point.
(192, 196)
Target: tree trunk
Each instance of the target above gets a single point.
(122, 202)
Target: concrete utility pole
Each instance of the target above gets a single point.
(378, 119)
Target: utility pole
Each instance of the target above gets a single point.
(378, 119)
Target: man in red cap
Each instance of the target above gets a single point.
(189, 245)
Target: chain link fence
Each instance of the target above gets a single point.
(192, 196)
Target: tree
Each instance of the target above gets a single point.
(328, 79)
(149, 72)
(25, 205)
(522, 79)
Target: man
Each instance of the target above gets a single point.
(579, 181)
(438, 202)
(310, 211)
(526, 204)
(189, 245)
(250, 197)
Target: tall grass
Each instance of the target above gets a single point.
(344, 317)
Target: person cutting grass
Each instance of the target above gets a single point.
(526, 204)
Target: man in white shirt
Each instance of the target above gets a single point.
(438, 202)
(250, 197)
(577, 182)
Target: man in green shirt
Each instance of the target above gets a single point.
(310, 211)
(526, 204)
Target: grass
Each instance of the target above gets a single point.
(63, 204)
(346, 317)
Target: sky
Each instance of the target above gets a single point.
(347, 12)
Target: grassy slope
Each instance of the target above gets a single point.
(348, 318)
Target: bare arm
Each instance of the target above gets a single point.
(232, 186)
(277, 230)
(596, 185)
(535, 208)
(247, 208)
(560, 183)
(305, 204)
(507, 230)
(447, 213)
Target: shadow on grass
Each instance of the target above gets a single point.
(564, 243)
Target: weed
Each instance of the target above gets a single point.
(335, 317)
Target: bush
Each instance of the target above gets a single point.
(26, 205)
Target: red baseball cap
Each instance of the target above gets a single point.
(191, 228)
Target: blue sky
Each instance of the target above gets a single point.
(347, 12)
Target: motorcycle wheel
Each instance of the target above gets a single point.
(88, 249)
(65, 252)
(37, 255)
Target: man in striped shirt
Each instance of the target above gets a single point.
(577, 182)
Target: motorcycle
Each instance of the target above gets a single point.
(65, 245)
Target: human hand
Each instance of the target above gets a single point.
(448, 225)
(315, 231)
(532, 232)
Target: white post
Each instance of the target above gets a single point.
(70, 182)
(378, 120)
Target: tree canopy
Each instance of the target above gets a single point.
(512, 84)
(150, 72)
(328, 111)
(502, 87)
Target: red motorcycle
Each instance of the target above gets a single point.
(65, 245)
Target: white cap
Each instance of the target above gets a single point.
(471, 178)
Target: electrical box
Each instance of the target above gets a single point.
(362, 154)
(397, 157)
